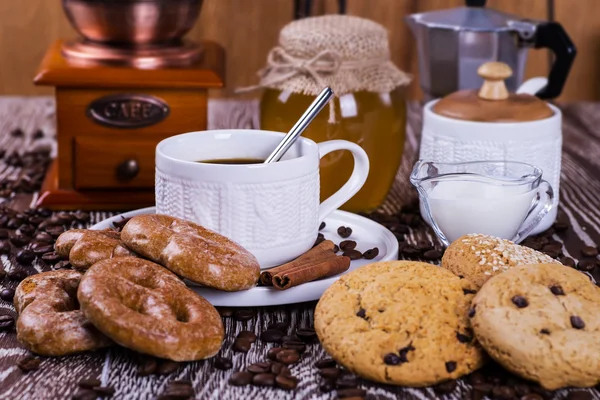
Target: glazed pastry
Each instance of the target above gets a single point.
(541, 322)
(84, 247)
(144, 307)
(479, 257)
(400, 322)
(50, 322)
(192, 252)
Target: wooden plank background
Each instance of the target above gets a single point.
(249, 28)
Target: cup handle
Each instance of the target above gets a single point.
(537, 212)
(354, 183)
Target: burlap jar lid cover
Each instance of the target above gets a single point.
(346, 53)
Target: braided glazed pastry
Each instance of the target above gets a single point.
(84, 247)
(50, 322)
(192, 252)
(144, 307)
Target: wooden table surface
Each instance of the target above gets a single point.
(57, 378)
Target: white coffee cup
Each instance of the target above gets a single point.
(272, 209)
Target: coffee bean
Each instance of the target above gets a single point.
(553, 247)
(346, 380)
(167, 367)
(289, 338)
(322, 226)
(503, 392)
(450, 366)
(532, 396)
(4, 247)
(432, 255)
(545, 331)
(476, 377)
(354, 393)
(20, 240)
(147, 366)
(579, 395)
(424, 245)
(7, 322)
(44, 237)
(89, 383)
(347, 245)
(64, 218)
(272, 353)
(55, 231)
(278, 368)
(16, 274)
(104, 391)
(344, 231)
(27, 364)
(552, 253)
(307, 335)
(484, 388)
(560, 226)
(248, 335)
(568, 261)
(223, 363)
(241, 345)
(7, 294)
(463, 338)
(589, 251)
(259, 368)
(266, 379)
(43, 249)
(391, 359)
(410, 251)
(4, 234)
(282, 326)
(371, 253)
(286, 382)
(271, 336)
(520, 301)
(51, 258)
(445, 387)
(330, 373)
(586, 265)
(300, 347)
(353, 254)
(240, 378)
(82, 216)
(25, 257)
(557, 290)
(327, 386)
(577, 322)
(26, 230)
(14, 223)
(326, 363)
(225, 312)
(177, 392)
(244, 314)
(85, 394)
(287, 356)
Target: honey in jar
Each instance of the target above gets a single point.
(351, 56)
(375, 121)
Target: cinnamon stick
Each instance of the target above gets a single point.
(319, 262)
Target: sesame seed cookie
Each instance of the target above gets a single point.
(542, 323)
(479, 257)
(400, 322)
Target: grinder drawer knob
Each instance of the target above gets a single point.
(127, 170)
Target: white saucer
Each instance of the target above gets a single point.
(366, 233)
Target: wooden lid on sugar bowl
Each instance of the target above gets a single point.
(492, 102)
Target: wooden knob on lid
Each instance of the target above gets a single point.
(494, 73)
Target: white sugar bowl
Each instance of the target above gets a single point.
(493, 125)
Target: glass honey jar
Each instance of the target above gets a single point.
(351, 56)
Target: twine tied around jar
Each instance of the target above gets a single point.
(346, 53)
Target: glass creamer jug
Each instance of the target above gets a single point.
(505, 199)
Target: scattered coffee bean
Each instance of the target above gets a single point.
(520, 301)
(445, 387)
(424, 245)
(553, 247)
(4, 247)
(20, 240)
(259, 368)
(82, 216)
(104, 391)
(545, 331)
(51, 258)
(282, 326)
(552, 253)
(44, 237)
(241, 345)
(177, 392)
(568, 261)
(225, 312)
(557, 290)
(484, 388)
(14, 223)
(432, 255)
(55, 231)
(271, 336)
(272, 353)
(450, 366)
(286, 382)
(240, 378)
(354, 393)
(245, 314)
(327, 386)
(410, 251)
(589, 251)
(89, 383)
(300, 347)
(40, 250)
(27, 364)
(278, 368)
(347, 245)
(353, 254)
(503, 392)
(330, 373)
(476, 377)
(266, 379)
(344, 231)
(25, 257)
(586, 265)
(392, 359)
(7, 322)
(85, 394)
(7, 294)
(577, 322)
(16, 274)
(248, 335)
(307, 335)
(560, 226)
(371, 253)
(322, 226)
(223, 363)
(346, 380)
(289, 338)
(463, 338)
(167, 367)
(532, 396)
(147, 366)
(288, 356)
(26, 230)
(4, 234)
(325, 363)
(579, 395)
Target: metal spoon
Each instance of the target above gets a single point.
(299, 127)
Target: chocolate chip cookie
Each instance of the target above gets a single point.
(479, 257)
(542, 323)
(400, 322)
